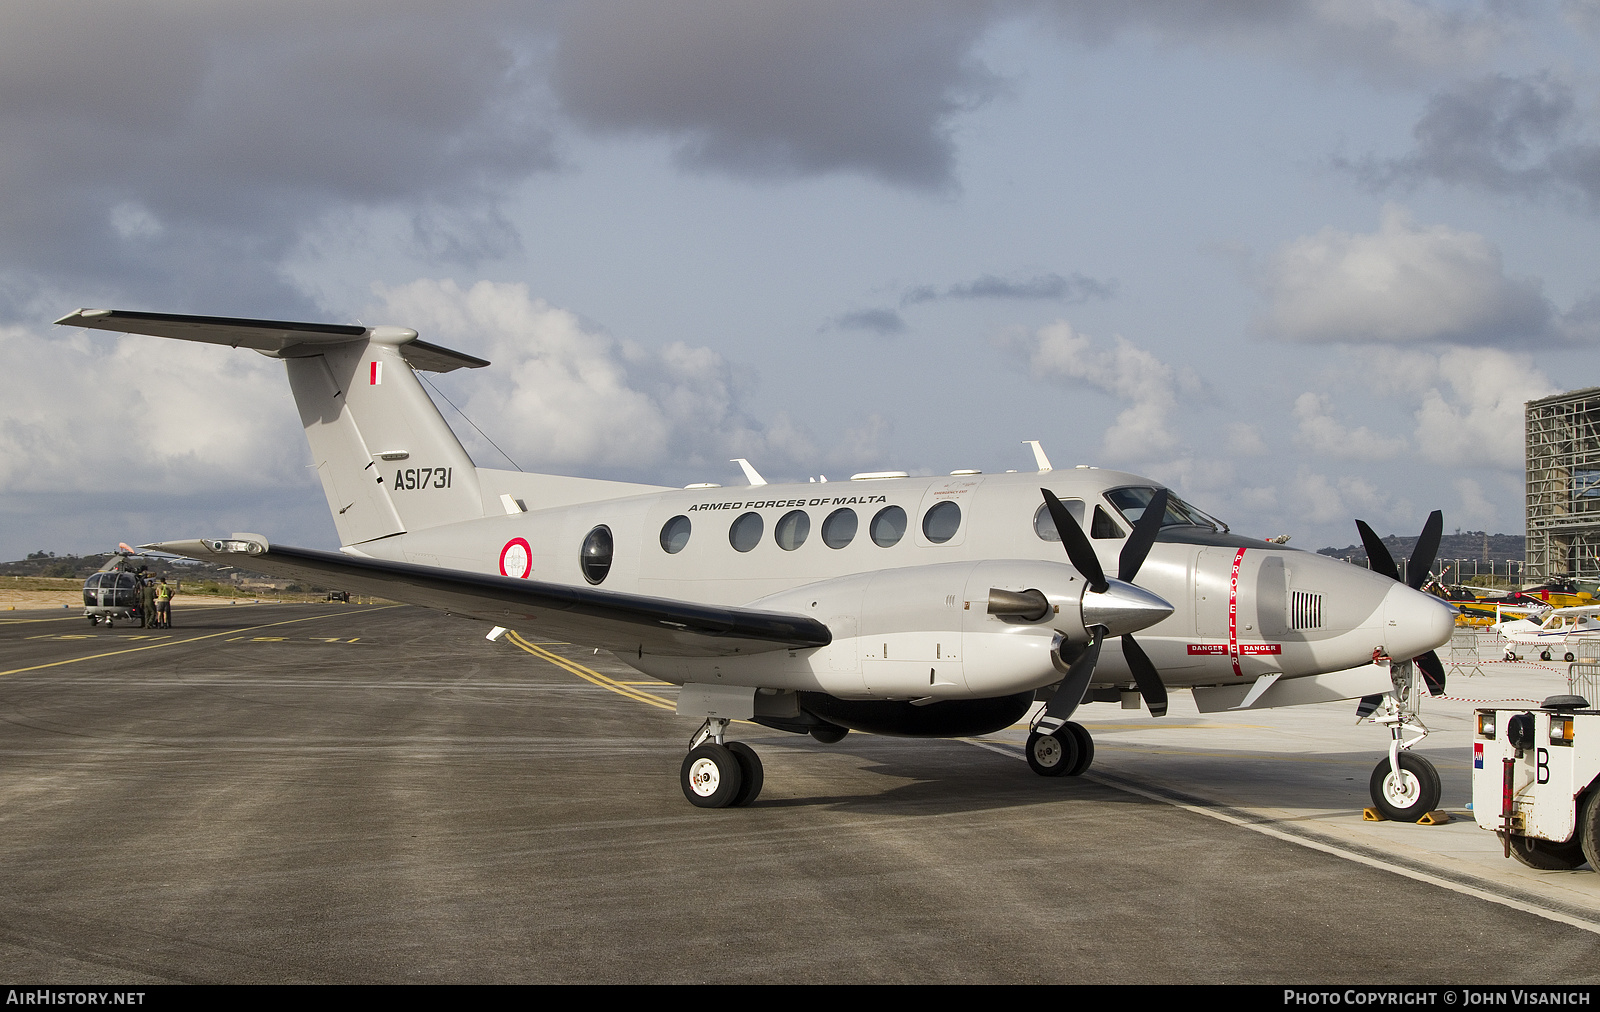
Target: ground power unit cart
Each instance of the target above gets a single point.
(1536, 781)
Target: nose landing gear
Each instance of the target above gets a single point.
(1404, 786)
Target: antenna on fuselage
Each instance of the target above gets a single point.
(750, 473)
(1038, 455)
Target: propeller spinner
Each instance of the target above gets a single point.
(1417, 567)
(1111, 608)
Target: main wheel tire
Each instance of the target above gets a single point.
(829, 735)
(1411, 795)
(1568, 657)
(1085, 744)
(1511, 655)
(1589, 829)
(1544, 655)
(1544, 855)
(94, 619)
(1052, 755)
(751, 774)
(711, 776)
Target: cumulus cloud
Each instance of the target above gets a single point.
(109, 438)
(1142, 431)
(1405, 283)
(1519, 135)
(93, 414)
(562, 394)
(1330, 499)
(1322, 434)
(1472, 409)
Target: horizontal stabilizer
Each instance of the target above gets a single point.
(272, 337)
(623, 623)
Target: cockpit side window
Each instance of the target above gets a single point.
(1104, 526)
(1131, 503)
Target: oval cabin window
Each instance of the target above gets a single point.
(595, 559)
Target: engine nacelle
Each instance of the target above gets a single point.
(949, 631)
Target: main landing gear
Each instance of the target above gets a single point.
(1404, 786)
(718, 773)
(1066, 751)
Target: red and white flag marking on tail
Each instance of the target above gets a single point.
(377, 374)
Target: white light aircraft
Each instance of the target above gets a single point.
(918, 606)
(1569, 633)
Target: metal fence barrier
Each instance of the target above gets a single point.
(1583, 679)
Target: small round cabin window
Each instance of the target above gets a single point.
(889, 526)
(792, 530)
(941, 522)
(840, 528)
(596, 555)
(745, 533)
(675, 534)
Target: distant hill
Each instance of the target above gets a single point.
(1467, 545)
(50, 564)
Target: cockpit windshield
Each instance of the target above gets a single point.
(1132, 502)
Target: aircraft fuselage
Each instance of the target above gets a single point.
(906, 595)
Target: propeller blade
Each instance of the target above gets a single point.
(1432, 671)
(1427, 548)
(1378, 556)
(1144, 535)
(1145, 675)
(1076, 682)
(1368, 705)
(1079, 551)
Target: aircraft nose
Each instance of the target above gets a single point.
(1416, 622)
(1124, 608)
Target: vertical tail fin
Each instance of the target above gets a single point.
(388, 461)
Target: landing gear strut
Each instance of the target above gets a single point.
(718, 773)
(1405, 786)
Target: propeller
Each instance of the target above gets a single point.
(1417, 567)
(1081, 553)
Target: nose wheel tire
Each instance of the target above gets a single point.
(751, 774)
(1053, 755)
(1568, 657)
(1544, 655)
(1408, 796)
(712, 776)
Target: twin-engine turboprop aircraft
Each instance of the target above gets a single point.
(928, 606)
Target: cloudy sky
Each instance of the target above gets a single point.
(1302, 260)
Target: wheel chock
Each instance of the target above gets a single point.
(1437, 818)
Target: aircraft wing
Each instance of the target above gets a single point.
(1585, 609)
(622, 623)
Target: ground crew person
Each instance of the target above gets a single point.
(164, 605)
(147, 601)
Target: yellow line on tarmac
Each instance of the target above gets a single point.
(589, 674)
(173, 643)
